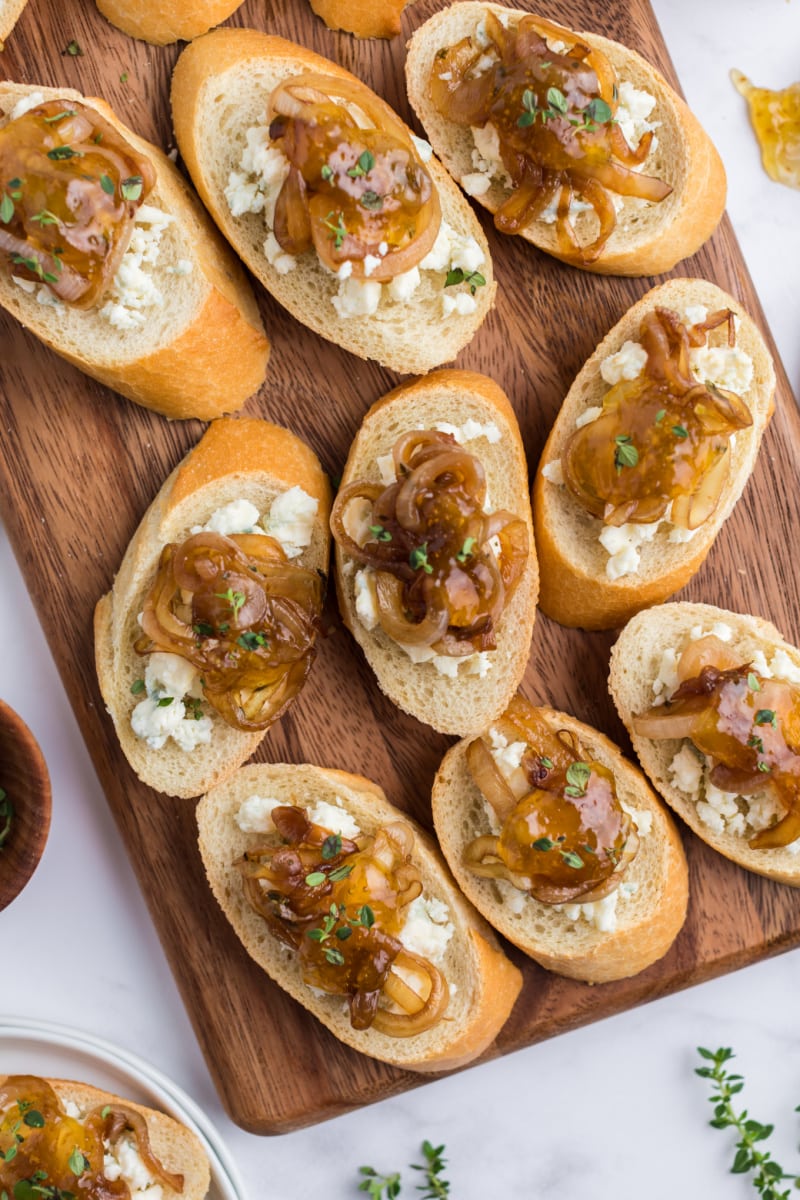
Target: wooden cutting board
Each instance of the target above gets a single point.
(80, 466)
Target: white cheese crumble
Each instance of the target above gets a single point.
(334, 817)
(628, 362)
(26, 104)
(554, 472)
(134, 289)
(162, 715)
(255, 814)
(238, 516)
(428, 929)
(123, 1161)
(470, 431)
(291, 519)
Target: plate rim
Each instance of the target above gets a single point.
(224, 1171)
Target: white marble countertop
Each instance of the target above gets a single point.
(611, 1110)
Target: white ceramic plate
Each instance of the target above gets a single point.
(40, 1048)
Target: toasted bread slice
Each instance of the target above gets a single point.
(201, 354)
(364, 18)
(163, 23)
(576, 589)
(467, 703)
(236, 459)
(483, 983)
(220, 89)
(595, 945)
(649, 237)
(10, 11)
(637, 662)
(177, 1148)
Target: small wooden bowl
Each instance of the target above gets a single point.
(25, 779)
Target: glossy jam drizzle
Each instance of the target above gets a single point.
(356, 187)
(564, 836)
(242, 615)
(662, 438)
(69, 189)
(775, 117)
(46, 1153)
(340, 904)
(747, 726)
(445, 569)
(553, 111)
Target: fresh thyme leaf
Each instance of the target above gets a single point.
(165, 701)
(662, 412)
(6, 208)
(547, 763)
(34, 1119)
(680, 431)
(326, 172)
(365, 163)
(598, 111)
(371, 200)
(543, 843)
(78, 1162)
(334, 956)
(529, 104)
(131, 187)
(107, 184)
(434, 1186)
(557, 100)
(466, 550)
(578, 774)
(752, 682)
(250, 640)
(380, 533)
(626, 454)
(419, 559)
(73, 50)
(340, 872)
(766, 716)
(315, 878)
(137, 687)
(68, 112)
(61, 152)
(331, 846)
(45, 217)
(235, 599)
(458, 275)
(379, 1187)
(572, 859)
(338, 231)
(749, 1156)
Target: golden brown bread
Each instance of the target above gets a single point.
(165, 21)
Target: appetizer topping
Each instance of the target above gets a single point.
(661, 441)
(444, 568)
(242, 615)
(45, 1151)
(564, 837)
(746, 725)
(775, 117)
(6, 817)
(341, 904)
(70, 187)
(356, 190)
(553, 111)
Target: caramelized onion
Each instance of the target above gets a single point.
(242, 615)
(356, 187)
(746, 727)
(661, 440)
(554, 116)
(341, 904)
(74, 185)
(444, 569)
(565, 838)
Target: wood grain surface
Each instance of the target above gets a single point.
(80, 466)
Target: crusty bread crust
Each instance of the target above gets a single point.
(364, 18)
(160, 23)
(206, 360)
(647, 241)
(468, 703)
(635, 662)
(648, 922)
(10, 11)
(487, 984)
(220, 86)
(236, 458)
(575, 588)
(176, 1147)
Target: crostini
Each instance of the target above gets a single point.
(335, 206)
(573, 141)
(318, 861)
(59, 1138)
(208, 632)
(132, 284)
(10, 11)
(711, 700)
(364, 18)
(561, 844)
(163, 22)
(435, 564)
(652, 448)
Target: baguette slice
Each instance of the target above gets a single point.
(220, 88)
(164, 23)
(649, 238)
(205, 351)
(364, 18)
(10, 11)
(466, 704)
(647, 921)
(240, 458)
(576, 590)
(486, 983)
(177, 1148)
(636, 661)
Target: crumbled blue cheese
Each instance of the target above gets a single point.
(366, 596)
(623, 544)
(134, 288)
(291, 520)
(254, 814)
(727, 367)
(334, 817)
(628, 362)
(238, 516)
(162, 715)
(357, 298)
(428, 929)
(508, 756)
(123, 1161)
(633, 112)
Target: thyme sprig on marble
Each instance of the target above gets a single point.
(388, 1187)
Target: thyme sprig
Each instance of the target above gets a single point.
(387, 1187)
(767, 1173)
